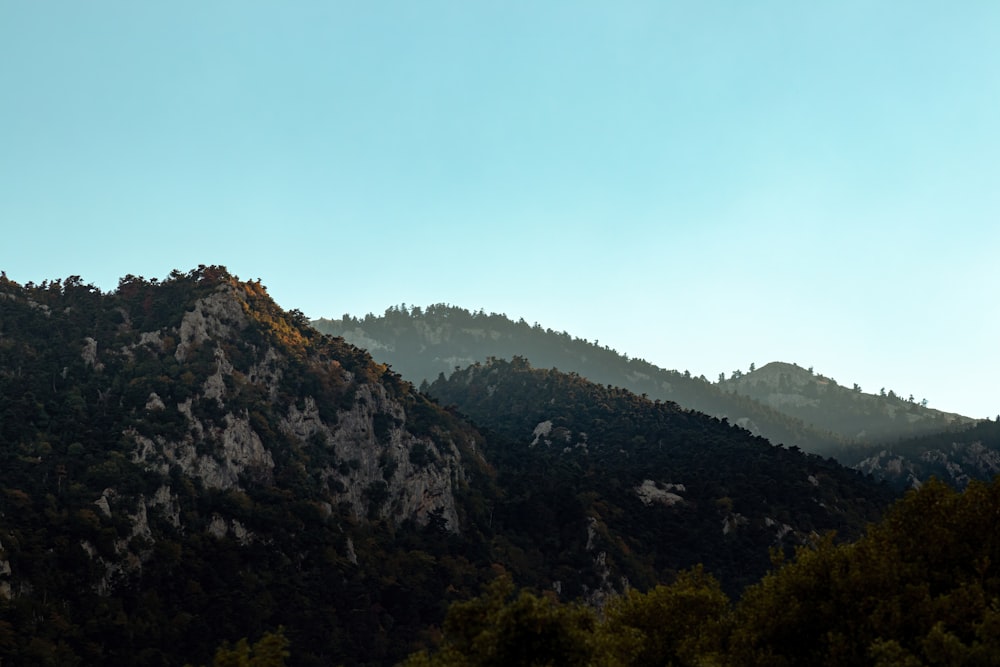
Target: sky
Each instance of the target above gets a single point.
(703, 185)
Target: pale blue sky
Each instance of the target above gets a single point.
(700, 184)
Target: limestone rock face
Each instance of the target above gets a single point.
(381, 469)
(216, 316)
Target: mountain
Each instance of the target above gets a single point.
(186, 464)
(658, 488)
(819, 400)
(781, 402)
(423, 343)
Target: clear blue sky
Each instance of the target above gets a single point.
(699, 184)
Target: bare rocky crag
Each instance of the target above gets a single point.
(236, 451)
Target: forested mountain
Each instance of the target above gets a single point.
(780, 401)
(184, 464)
(658, 488)
(922, 587)
(819, 400)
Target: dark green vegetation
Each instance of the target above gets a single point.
(922, 587)
(782, 402)
(650, 486)
(184, 464)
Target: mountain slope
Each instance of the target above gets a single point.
(819, 400)
(782, 402)
(423, 343)
(183, 463)
(647, 487)
(957, 457)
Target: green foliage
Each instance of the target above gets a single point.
(603, 443)
(271, 650)
(503, 627)
(921, 588)
(679, 624)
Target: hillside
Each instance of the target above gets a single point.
(187, 464)
(659, 488)
(781, 402)
(819, 400)
(423, 343)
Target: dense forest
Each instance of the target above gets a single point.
(186, 464)
(922, 587)
(660, 488)
(193, 475)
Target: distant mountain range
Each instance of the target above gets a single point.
(782, 402)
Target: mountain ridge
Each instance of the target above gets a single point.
(422, 343)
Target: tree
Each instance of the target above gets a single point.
(269, 651)
(679, 624)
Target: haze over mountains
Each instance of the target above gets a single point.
(780, 401)
(184, 457)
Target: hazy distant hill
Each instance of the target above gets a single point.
(780, 401)
(819, 400)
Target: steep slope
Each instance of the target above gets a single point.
(423, 343)
(185, 463)
(957, 457)
(645, 488)
(819, 400)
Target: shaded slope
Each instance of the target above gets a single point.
(957, 457)
(851, 413)
(646, 487)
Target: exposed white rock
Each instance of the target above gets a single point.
(413, 490)
(219, 527)
(216, 316)
(215, 384)
(267, 372)
(352, 555)
(650, 492)
(238, 451)
(154, 402)
(89, 354)
(103, 504)
(541, 431)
